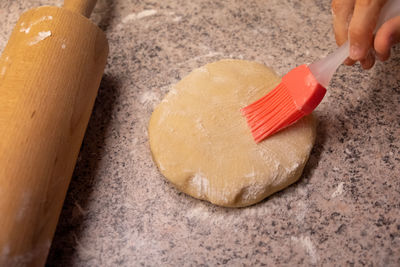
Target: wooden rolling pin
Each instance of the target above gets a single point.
(50, 72)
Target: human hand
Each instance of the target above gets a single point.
(356, 20)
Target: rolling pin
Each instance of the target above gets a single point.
(50, 72)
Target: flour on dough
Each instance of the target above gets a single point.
(201, 142)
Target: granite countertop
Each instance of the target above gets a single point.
(344, 211)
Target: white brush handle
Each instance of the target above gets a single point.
(324, 69)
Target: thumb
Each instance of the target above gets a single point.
(387, 36)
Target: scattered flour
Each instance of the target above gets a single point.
(140, 15)
(253, 191)
(40, 37)
(5, 251)
(210, 54)
(24, 259)
(177, 19)
(219, 79)
(150, 98)
(26, 199)
(165, 89)
(251, 174)
(161, 166)
(201, 183)
(293, 168)
(200, 126)
(306, 242)
(338, 191)
(28, 29)
(173, 92)
(4, 68)
(202, 70)
(199, 212)
(301, 211)
(80, 209)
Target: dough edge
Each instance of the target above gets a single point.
(238, 201)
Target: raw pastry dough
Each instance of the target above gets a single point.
(201, 142)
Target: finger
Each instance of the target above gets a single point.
(363, 22)
(387, 36)
(349, 62)
(369, 61)
(341, 11)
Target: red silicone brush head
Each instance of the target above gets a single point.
(297, 95)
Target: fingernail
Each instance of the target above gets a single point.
(382, 57)
(392, 40)
(355, 52)
(349, 62)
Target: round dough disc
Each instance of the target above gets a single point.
(201, 142)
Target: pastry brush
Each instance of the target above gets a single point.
(301, 89)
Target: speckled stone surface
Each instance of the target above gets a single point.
(119, 211)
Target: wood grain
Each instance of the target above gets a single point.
(50, 72)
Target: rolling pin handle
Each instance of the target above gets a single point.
(84, 7)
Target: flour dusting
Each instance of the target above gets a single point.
(24, 259)
(253, 191)
(199, 212)
(177, 19)
(293, 167)
(173, 92)
(5, 251)
(40, 37)
(251, 174)
(202, 69)
(301, 211)
(140, 15)
(219, 79)
(25, 200)
(28, 29)
(150, 98)
(80, 209)
(165, 89)
(200, 126)
(200, 183)
(306, 242)
(210, 54)
(161, 166)
(338, 191)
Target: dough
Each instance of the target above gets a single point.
(201, 142)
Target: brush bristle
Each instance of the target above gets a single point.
(271, 113)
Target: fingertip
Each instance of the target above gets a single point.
(357, 52)
(349, 62)
(383, 57)
(382, 43)
(368, 63)
(340, 36)
(360, 42)
(361, 28)
(386, 37)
